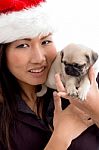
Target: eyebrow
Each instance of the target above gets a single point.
(28, 39)
(45, 36)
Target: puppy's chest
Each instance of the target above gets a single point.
(78, 81)
(71, 79)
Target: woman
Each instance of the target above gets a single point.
(27, 122)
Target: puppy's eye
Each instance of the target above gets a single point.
(76, 65)
(64, 62)
(79, 66)
(83, 65)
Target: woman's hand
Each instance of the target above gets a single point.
(91, 105)
(70, 122)
(74, 119)
(68, 125)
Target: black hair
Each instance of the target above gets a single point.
(9, 88)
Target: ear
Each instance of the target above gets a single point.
(61, 54)
(94, 57)
(87, 58)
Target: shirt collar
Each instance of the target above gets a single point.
(23, 107)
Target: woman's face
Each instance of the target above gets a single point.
(29, 60)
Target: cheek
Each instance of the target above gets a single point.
(15, 60)
(52, 54)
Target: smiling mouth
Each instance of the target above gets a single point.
(37, 70)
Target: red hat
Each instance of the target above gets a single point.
(23, 19)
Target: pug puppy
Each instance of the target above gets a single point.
(72, 63)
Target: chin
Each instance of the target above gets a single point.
(38, 81)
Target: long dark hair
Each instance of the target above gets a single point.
(9, 88)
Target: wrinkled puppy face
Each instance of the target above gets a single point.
(77, 60)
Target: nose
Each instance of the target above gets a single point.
(38, 55)
(72, 71)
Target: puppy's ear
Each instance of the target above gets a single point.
(94, 57)
(62, 55)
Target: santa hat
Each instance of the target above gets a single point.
(24, 19)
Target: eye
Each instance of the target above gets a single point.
(46, 42)
(22, 46)
(79, 66)
(65, 63)
(76, 65)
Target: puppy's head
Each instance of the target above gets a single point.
(77, 59)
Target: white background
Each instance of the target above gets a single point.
(80, 19)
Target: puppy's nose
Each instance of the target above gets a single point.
(72, 71)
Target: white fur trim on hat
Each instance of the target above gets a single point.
(26, 23)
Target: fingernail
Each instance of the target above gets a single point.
(54, 93)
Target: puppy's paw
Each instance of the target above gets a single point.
(82, 92)
(72, 91)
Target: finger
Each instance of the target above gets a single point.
(72, 100)
(92, 78)
(63, 95)
(92, 75)
(59, 84)
(57, 102)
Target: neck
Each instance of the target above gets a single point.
(29, 95)
(30, 100)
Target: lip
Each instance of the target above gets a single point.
(37, 72)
